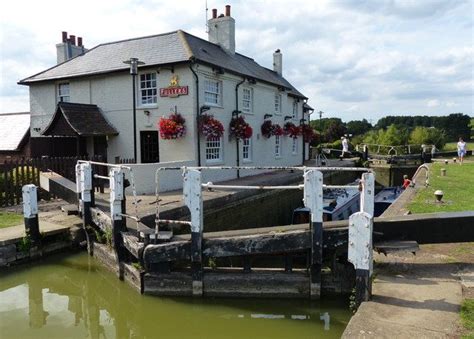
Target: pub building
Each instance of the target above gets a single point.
(84, 105)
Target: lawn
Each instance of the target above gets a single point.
(457, 185)
(467, 317)
(450, 146)
(10, 219)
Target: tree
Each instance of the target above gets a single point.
(358, 127)
(428, 136)
(334, 132)
(394, 135)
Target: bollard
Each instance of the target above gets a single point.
(360, 253)
(313, 199)
(30, 212)
(443, 172)
(193, 200)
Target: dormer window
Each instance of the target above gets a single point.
(63, 92)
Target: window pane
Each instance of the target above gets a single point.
(148, 90)
(214, 149)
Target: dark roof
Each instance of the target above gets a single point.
(307, 107)
(71, 119)
(168, 48)
(14, 128)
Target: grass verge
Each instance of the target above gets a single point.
(457, 186)
(467, 317)
(10, 219)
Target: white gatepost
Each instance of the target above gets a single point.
(313, 199)
(30, 211)
(360, 253)
(86, 188)
(78, 186)
(193, 199)
(367, 195)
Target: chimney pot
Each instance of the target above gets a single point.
(214, 13)
(72, 38)
(64, 36)
(227, 10)
(79, 41)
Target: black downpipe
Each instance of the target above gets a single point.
(237, 113)
(197, 116)
(302, 134)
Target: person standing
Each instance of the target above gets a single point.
(461, 150)
(345, 146)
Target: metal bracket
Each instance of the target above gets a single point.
(360, 240)
(30, 201)
(193, 198)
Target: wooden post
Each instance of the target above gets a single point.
(313, 199)
(367, 203)
(30, 212)
(116, 197)
(78, 186)
(360, 253)
(193, 200)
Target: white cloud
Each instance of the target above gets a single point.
(433, 103)
(352, 59)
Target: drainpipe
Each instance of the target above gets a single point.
(236, 112)
(302, 134)
(197, 114)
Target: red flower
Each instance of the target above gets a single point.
(172, 127)
(239, 128)
(210, 127)
(291, 130)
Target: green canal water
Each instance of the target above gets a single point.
(74, 297)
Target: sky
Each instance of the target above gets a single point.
(353, 59)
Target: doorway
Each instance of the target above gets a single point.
(149, 146)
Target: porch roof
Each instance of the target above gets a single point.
(71, 119)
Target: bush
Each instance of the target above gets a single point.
(26, 175)
(428, 136)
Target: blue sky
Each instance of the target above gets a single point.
(354, 59)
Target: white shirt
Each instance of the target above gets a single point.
(461, 146)
(345, 145)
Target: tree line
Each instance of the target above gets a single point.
(397, 130)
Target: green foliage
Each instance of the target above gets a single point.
(10, 219)
(352, 301)
(358, 127)
(454, 125)
(467, 316)
(212, 263)
(429, 136)
(137, 266)
(24, 245)
(24, 173)
(108, 238)
(394, 136)
(455, 185)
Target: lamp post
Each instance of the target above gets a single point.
(134, 62)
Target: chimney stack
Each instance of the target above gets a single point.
(68, 49)
(222, 30)
(278, 62)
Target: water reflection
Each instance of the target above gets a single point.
(74, 297)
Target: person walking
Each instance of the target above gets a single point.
(345, 146)
(461, 150)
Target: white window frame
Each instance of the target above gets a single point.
(214, 92)
(294, 146)
(147, 89)
(295, 110)
(247, 150)
(277, 103)
(214, 144)
(277, 146)
(247, 100)
(64, 96)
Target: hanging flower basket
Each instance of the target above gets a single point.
(308, 133)
(268, 129)
(172, 127)
(291, 130)
(210, 127)
(239, 128)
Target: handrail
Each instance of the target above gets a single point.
(427, 182)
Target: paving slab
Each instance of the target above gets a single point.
(10, 235)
